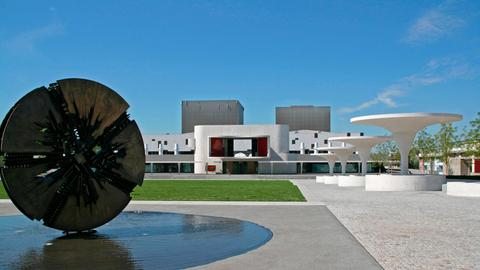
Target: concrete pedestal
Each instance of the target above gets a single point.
(388, 182)
(464, 189)
(330, 179)
(319, 179)
(351, 181)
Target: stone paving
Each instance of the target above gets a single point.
(305, 236)
(406, 230)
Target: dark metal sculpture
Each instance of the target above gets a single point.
(70, 155)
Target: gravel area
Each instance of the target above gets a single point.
(406, 230)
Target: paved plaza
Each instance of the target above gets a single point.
(347, 228)
(406, 230)
(304, 236)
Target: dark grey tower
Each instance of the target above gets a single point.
(210, 112)
(304, 117)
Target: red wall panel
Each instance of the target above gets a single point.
(217, 148)
(477, 166)
(262, 147)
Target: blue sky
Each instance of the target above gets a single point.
(359, 57)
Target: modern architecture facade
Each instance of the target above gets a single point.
(304, 117)
(241, 149)
(214, 140)
(210, 112)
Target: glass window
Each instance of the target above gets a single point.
(293, 141)
(148, 167)
(325, 141)
(315, 135)
(361, 133)
(315, 167)
(186, 141)
(186, 167)
(165, 142)
(312, 146)
(165, 168)
(348, 134)
(153, 140)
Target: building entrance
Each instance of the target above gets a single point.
(240, 167)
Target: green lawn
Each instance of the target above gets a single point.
(218, 190)
(213, 190)
(3, 193)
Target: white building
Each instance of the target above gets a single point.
(237, 149)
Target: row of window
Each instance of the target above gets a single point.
(324, 141)
(166, 152)
(169, 167)
(166, 142)
(312, 145)
(315, 135)
(353, 167)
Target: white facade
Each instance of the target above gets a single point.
(184, 143)
(277, 137)
(312, 139)
(284, 151)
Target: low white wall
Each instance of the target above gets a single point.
(351, 180)
(463, 189)
(387, 182)
(319, 179)
(330, 179)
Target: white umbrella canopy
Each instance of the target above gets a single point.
(404, 127)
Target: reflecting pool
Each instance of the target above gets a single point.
(133, 240)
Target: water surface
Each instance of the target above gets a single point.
(133, 240)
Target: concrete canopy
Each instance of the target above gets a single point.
(342, 152)
(404, 127)
(363, 145)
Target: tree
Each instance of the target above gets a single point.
(425, 147)
(471, 137)
(446, 140)
(385, 152)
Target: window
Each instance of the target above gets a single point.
(186, 141)
(165, 168)
(315, 135)
(165, 142)
(148, 167)
(186, 168)
(361, 133)
(325, 141)
(293, 141)
(153, 140)
(239, 147)
(312, 146)
(348, 134)
(296, 139)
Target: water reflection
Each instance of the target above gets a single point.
(133, 240)
(76, 252)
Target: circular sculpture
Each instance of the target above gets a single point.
(70, 155)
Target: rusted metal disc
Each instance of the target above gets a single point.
(70, 154)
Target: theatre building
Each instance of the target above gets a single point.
(224, 145)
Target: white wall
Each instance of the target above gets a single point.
(152, 141)
(277, 139)
(308, 138)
